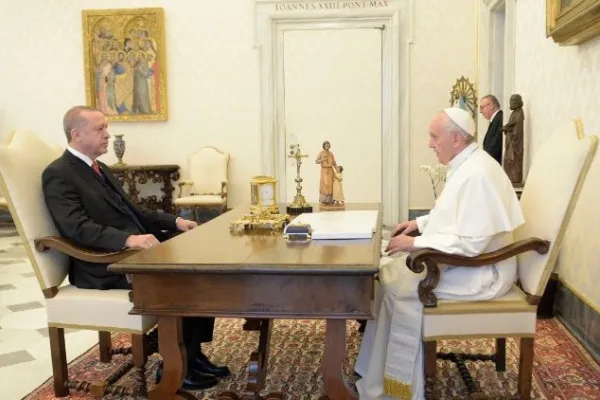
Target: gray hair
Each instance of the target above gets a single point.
(493, 99)
(73, 119)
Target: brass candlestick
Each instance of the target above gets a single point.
(299, 205)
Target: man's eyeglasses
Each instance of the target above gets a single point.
(484, 106)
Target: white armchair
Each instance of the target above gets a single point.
(549, 197)
(21, 164)
(206, 187)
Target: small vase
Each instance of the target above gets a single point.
(119, 147)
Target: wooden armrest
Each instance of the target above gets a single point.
(223, 189)
(181, 185)
(66, 247)
(429, 258)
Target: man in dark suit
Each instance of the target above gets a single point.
(89, 207)
(489, 107)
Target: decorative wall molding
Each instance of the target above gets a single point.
(579, 316)
(485, 56)
(274, 17)
(485, 59)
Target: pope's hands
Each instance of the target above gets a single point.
(400, 240)
(405, 228)
(401, 243)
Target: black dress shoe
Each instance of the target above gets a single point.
(204, 365)
(193, 380)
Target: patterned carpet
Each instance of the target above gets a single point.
(562, 368)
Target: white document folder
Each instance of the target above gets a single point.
(355, 224)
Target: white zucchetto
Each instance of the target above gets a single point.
(461, 118)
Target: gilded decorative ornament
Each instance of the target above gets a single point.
(257, 223)
(299, 205)
(463, 96)
(264, 208)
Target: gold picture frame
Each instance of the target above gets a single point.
(572, 22)
(125, 64)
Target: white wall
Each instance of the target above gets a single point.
(444, 49)
(498, 27)
(213, 79)
(557, 84)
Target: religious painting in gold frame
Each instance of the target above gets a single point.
(125, 63)
(572, 22)
(463, 96)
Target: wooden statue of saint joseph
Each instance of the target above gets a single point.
(327, 161)
(513, 150)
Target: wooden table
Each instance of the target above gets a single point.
(209, 272)
(134, 174)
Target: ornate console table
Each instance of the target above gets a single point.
(142, 174)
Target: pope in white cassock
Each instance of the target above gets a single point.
(476, 213)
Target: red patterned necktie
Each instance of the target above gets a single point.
(96, 168)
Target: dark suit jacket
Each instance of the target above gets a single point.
(492, 143)
(88, 214)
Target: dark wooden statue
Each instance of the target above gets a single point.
(513, 150)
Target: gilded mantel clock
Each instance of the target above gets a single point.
(264, 209)
(263, 195)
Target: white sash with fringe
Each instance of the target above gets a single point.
(403, 349)
(405, 340)
(390, 360)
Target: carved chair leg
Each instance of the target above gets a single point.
(105, 345)
(139, 349)
(500, 354)
(525, 368)
(430, 349)
(429, 366)
(59, 361)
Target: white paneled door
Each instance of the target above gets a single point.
(333, 91)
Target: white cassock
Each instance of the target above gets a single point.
(476, 213)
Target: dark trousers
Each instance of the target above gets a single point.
(196, 330)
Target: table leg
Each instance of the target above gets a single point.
(257, 370)
(333, 360)
(172, 349)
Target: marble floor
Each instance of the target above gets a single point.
(24, 346)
